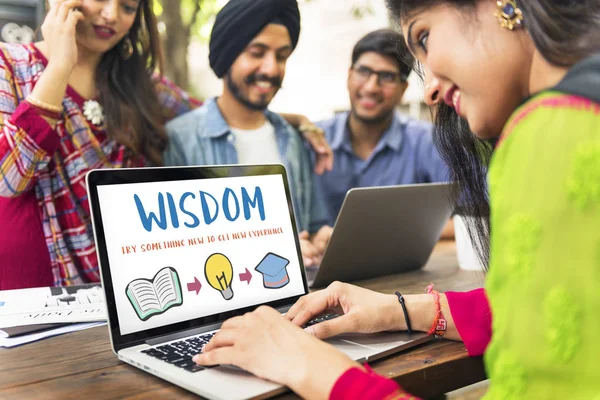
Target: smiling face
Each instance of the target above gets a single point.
(257, 73)
(374, 97)
(471, 63)
(106, 23)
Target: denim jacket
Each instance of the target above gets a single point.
(202, 137)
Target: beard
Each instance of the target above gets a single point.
(263, 102)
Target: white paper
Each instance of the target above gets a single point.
(23, 339)
(47, 305)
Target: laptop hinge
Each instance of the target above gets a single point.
(195, 331)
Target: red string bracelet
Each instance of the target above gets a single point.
(439, 325)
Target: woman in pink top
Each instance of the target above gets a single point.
(87, 96)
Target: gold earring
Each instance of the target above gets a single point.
(126, 49)
(509, 15)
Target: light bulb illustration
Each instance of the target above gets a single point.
(219, 274)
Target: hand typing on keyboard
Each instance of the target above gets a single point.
(357, 310)
(276, 348)
(180, 353)
(320, 319)
(264, 343)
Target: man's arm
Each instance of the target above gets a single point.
(315, 136)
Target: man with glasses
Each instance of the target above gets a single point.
(374, 144)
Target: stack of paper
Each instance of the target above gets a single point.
(28, 315)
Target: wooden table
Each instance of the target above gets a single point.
(81, 364)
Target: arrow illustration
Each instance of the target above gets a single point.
(246, 276)
(194, 286)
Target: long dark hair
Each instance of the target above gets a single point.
(564, 32)
(133, 115)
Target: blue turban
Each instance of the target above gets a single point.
(238, 23)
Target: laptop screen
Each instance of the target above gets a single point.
(180, 250)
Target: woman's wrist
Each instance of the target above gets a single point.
(50, 89)
(421, 311)
(60, 66)
(392, 317)
(60, 71)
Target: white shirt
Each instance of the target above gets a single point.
(257, 146)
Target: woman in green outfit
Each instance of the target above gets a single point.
(524, 77)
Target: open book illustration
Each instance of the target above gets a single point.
(150, 297)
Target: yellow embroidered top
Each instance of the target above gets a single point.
(544, 279)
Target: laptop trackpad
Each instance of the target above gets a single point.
(379, 344)
(352, 350)
(379, 341)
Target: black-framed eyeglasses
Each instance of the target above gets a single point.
(363, 73)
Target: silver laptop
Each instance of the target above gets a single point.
(383, 230)
(183, 249)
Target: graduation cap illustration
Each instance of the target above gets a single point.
(274, 272)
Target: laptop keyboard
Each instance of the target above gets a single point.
(320, 319)
(180, 353)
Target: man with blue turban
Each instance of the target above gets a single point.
(250, 44)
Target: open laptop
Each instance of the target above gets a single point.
(384, 230)
(183, 249)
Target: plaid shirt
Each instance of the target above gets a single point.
(54, 161)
